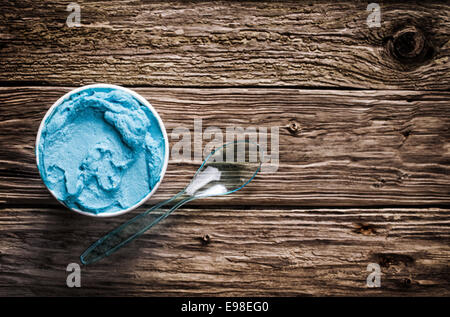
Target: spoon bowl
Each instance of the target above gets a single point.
(226, 169)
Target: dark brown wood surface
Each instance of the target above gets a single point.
(251, 252)
(262, 43)
(351, 148)
(363, 116)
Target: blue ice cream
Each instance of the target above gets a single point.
(101, 150)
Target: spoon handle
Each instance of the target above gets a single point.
(129, 231)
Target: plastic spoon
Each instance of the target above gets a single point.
(225, 170)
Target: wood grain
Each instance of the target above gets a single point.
(351, 148)
(251, 252)
(364, 145)
(226, 43)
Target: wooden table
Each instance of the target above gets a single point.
(363, 116)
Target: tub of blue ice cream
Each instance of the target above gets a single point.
(102, 150)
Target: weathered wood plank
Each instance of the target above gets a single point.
(223, 43)
(340, 148)
(250, 252)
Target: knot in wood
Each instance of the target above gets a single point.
(410, 47)
(409, 43)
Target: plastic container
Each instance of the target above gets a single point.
(144, 102)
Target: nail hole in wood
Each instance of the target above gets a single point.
(406, 133)
(205, 239)
(404, 282)
(294, 127)
(365, 229)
